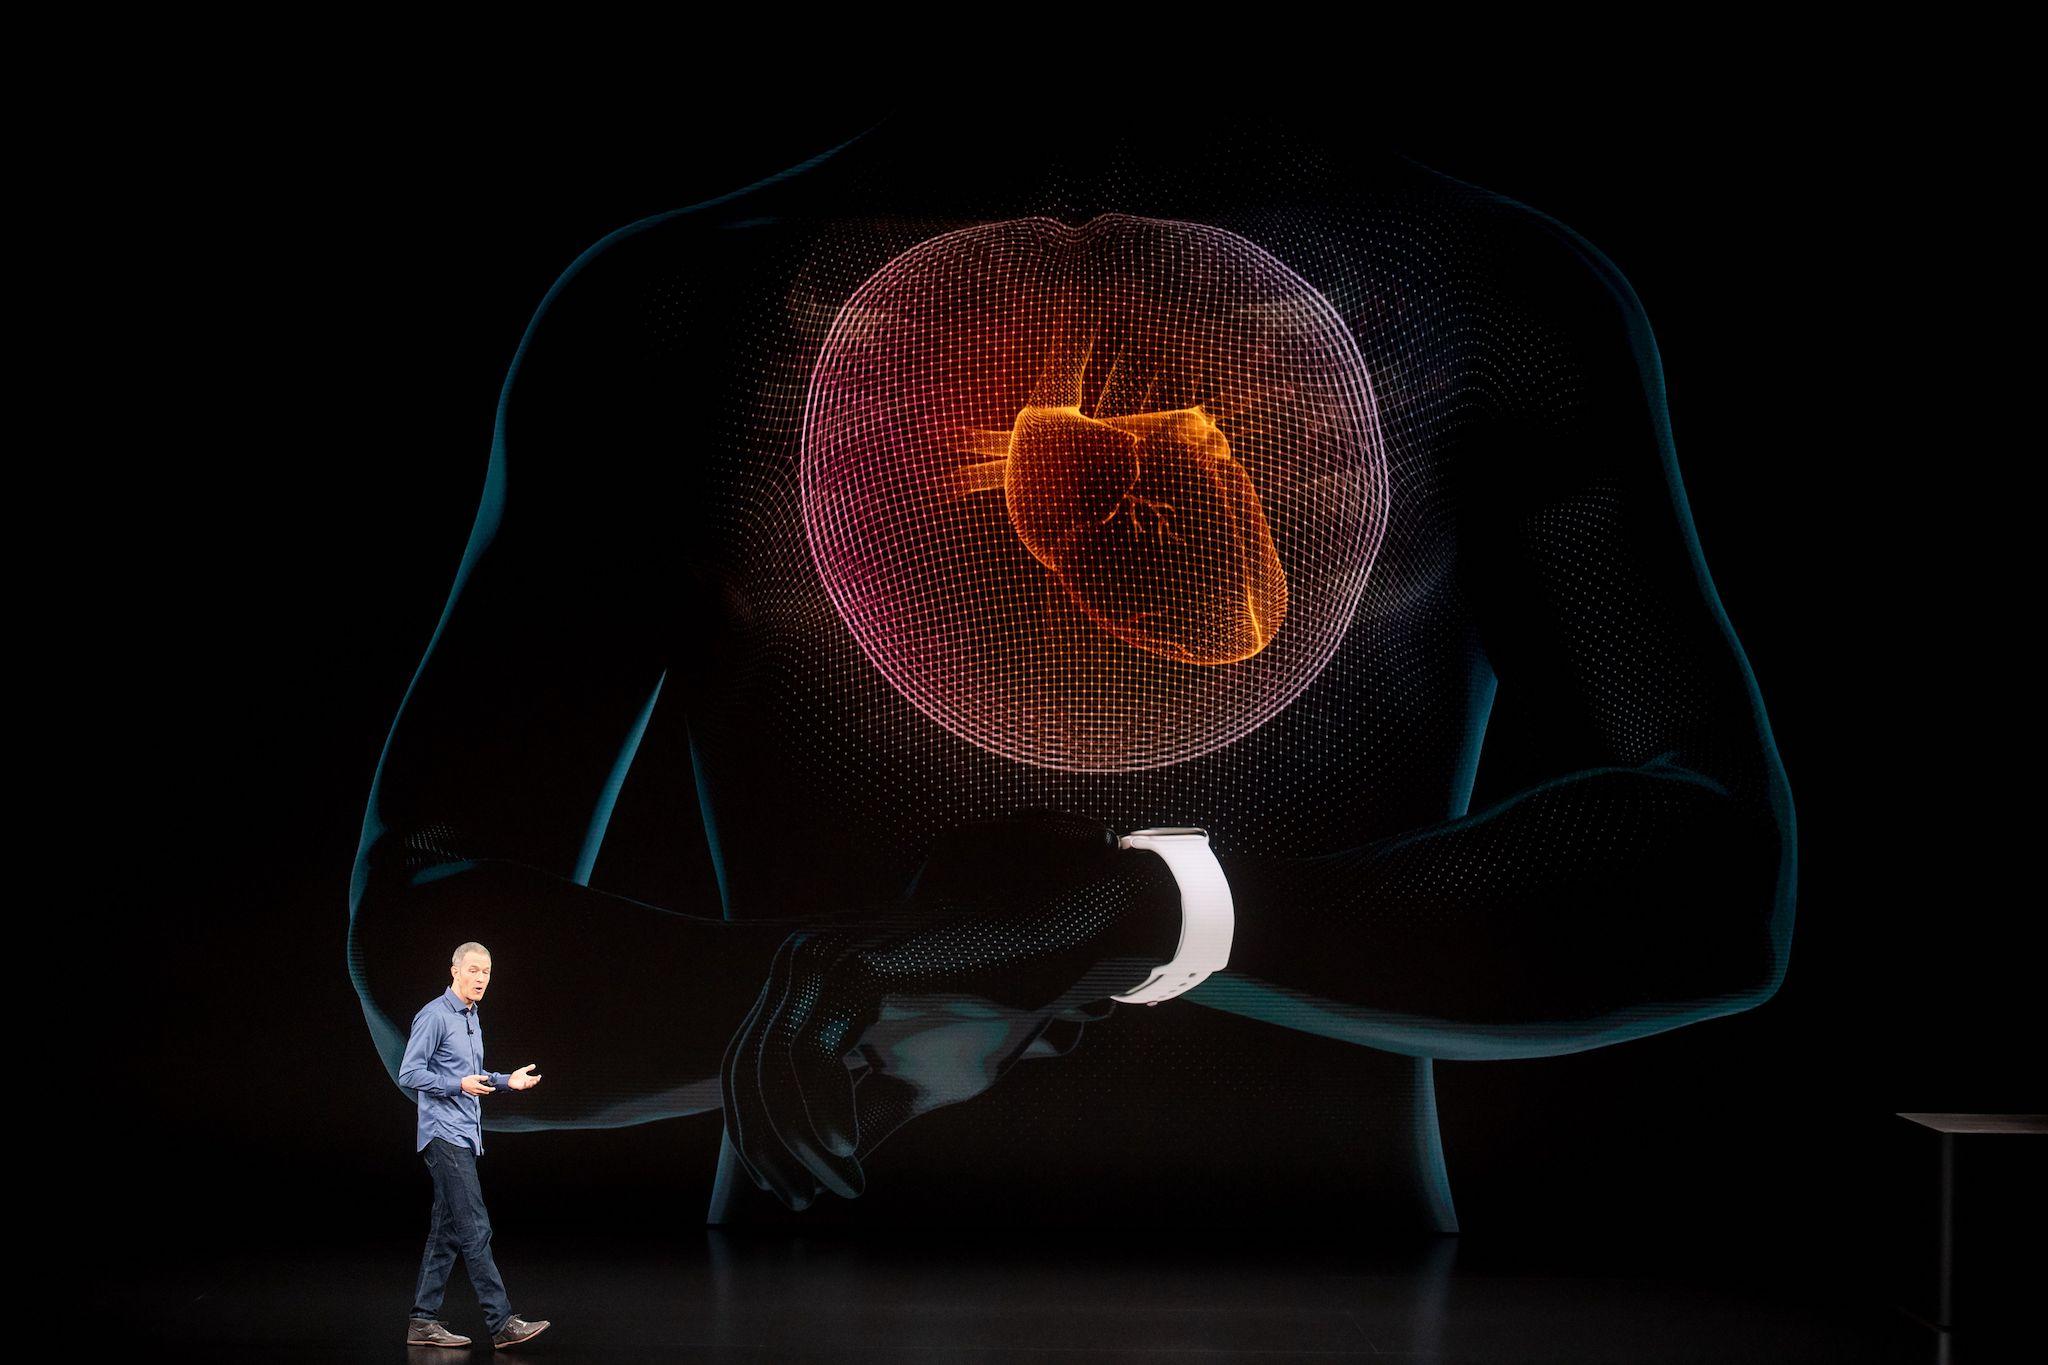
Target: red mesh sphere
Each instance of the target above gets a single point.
(1099, 498)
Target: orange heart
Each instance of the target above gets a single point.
(1150, 524)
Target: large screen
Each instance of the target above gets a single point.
(866, 554)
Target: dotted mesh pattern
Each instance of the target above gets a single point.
(1093, 498)
(1006, 695)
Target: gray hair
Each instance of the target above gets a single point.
(465, 950)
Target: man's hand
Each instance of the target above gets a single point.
(1014, 934)
(523, 1078)
(478, 1085)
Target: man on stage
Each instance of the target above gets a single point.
(444, 1062)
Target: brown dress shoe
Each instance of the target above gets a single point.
(516, 1330)
(424, 1333)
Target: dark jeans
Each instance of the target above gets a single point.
(460, 1225)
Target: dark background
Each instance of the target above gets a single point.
(341, 298)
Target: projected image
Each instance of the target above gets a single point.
(866, 557)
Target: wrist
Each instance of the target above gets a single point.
(1153, 918)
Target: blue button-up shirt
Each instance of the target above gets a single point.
(447, 1044)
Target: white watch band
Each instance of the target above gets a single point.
(1206, 914)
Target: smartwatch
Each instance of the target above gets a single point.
(1206, 914)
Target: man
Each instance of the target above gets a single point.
(444, 1061)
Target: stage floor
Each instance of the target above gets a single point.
(715, 1296)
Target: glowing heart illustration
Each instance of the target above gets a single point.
(1096, 497)
(1149, 523)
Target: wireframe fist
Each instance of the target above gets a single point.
(1014, 934)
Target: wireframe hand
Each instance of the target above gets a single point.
(1014, 934)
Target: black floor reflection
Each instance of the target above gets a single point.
(720, 1295)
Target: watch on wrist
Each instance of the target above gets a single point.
(1206, 913)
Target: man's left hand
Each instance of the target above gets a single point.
(523, 1078)
(1017, 932)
